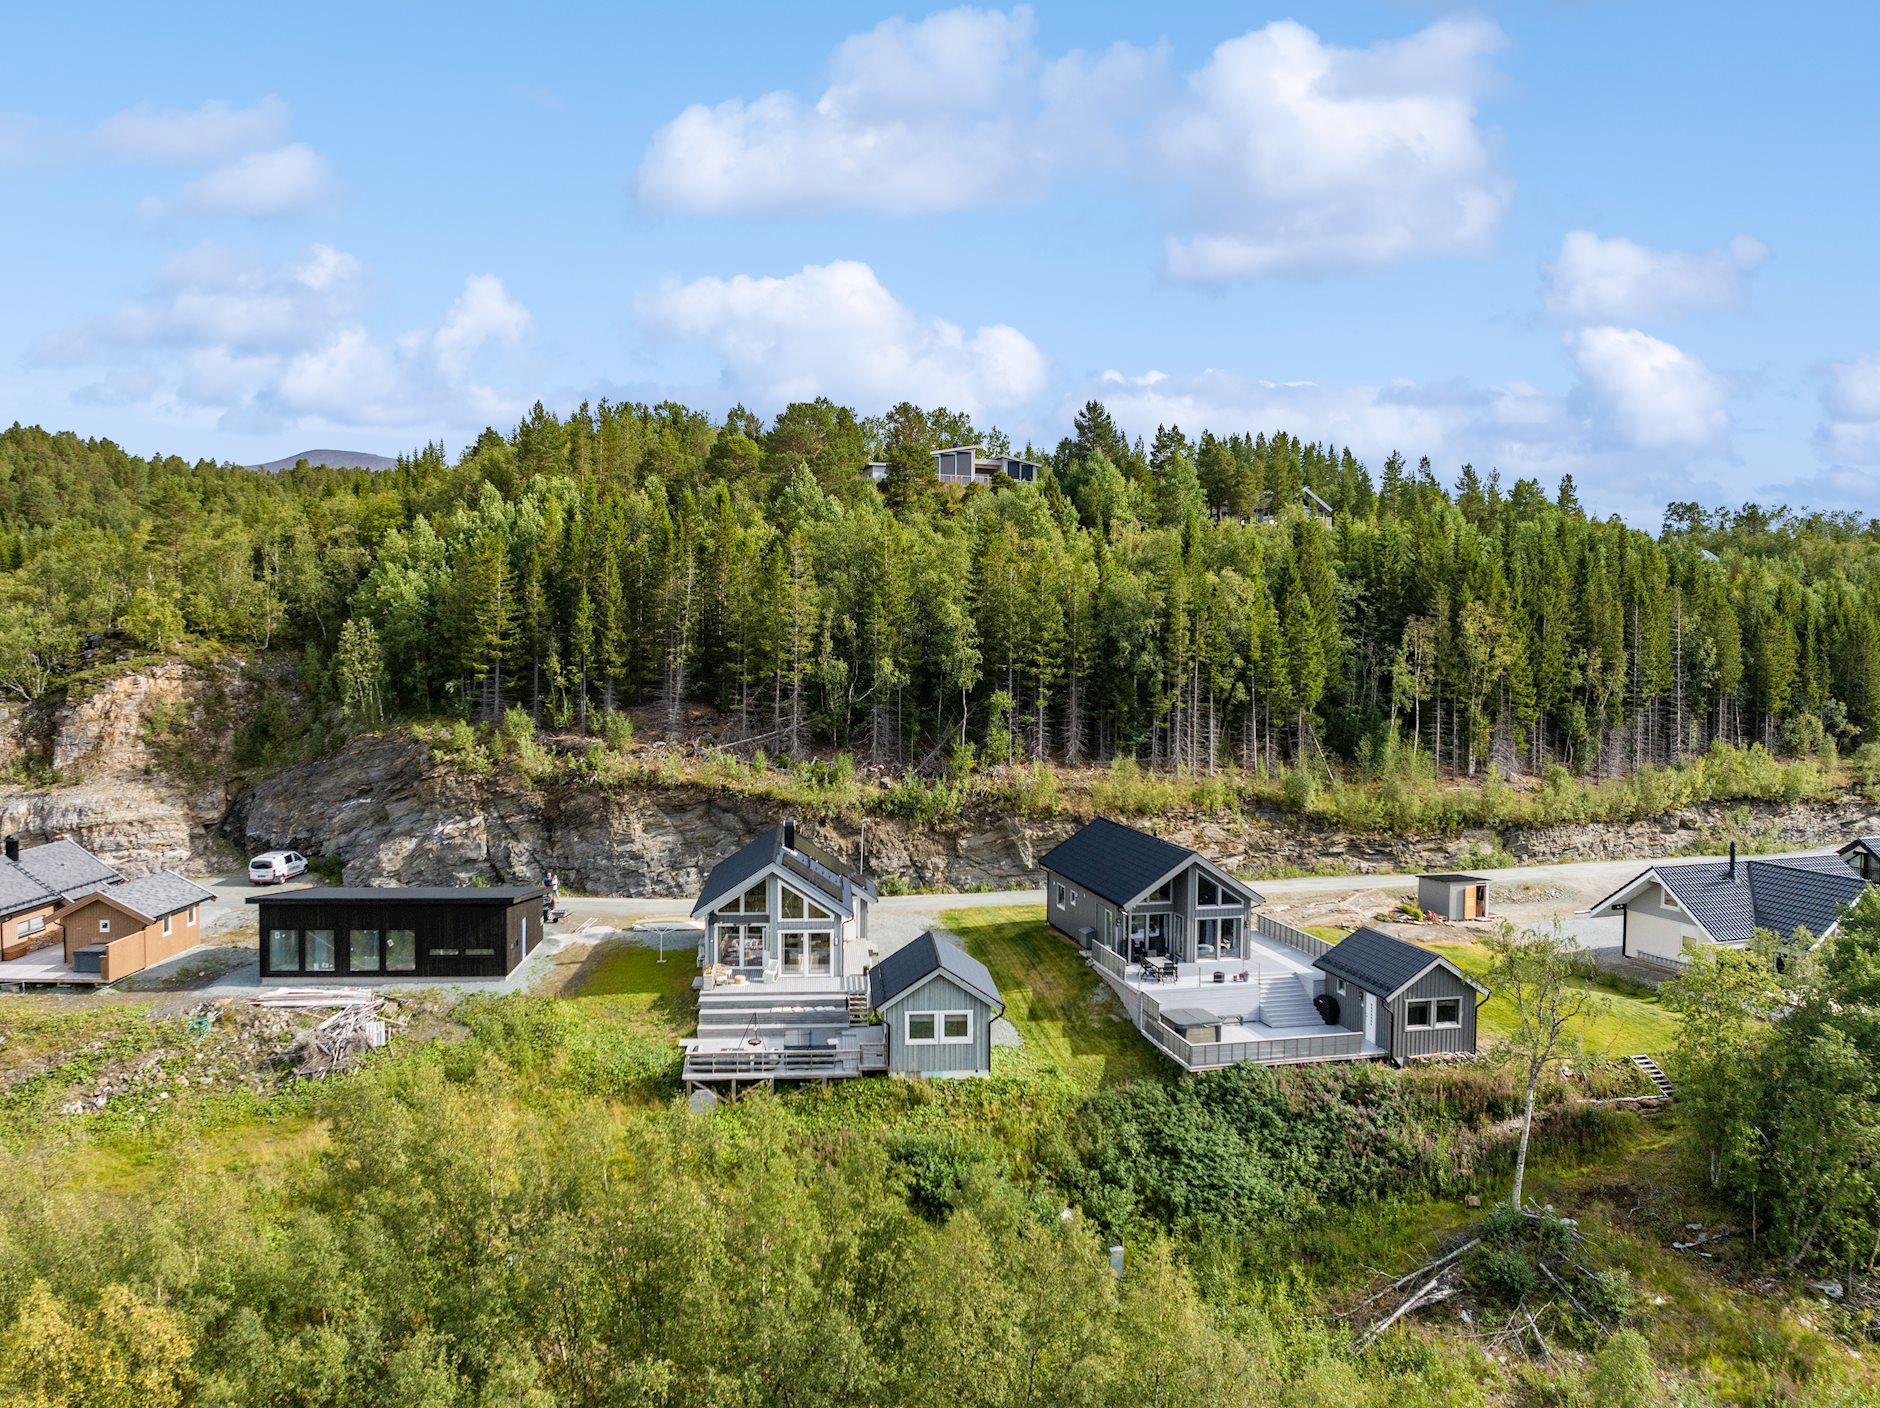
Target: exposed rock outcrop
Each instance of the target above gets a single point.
(115, 751)
(144, 760)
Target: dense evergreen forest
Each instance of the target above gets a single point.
(1166, 600)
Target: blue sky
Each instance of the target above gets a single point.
(1630, 242)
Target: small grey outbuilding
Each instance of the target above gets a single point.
(1453, 896)
(937, 1003)
(1405, 1000)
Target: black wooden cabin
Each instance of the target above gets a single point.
(431, 932)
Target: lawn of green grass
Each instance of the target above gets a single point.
(1070, 1021)
(639, 989)
(1630, 1025)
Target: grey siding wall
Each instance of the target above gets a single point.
(1406, 1044)
(1085, 911)
(938, 993)
(1438, 896)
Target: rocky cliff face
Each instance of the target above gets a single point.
(143, 763)
(394, 814)
(114, 754)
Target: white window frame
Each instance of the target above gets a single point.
(190, 919)
(1429, 1008)
(166, 925)
(1060, 895)
(1436, 1011)
(32, 924)
(104, 926)
(1671, 900)
(939, 1037)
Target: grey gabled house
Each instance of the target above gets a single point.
(937, 1004)
(1405, 999)
(784, 907)
(1725, 902)
(1140, 896)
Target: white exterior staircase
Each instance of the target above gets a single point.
(1656, 1076)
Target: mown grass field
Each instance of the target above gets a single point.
(1627, 1026)
(1070, 1021)
(656, 998)
(1630, 1026)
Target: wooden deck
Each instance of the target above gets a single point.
(861, 1051)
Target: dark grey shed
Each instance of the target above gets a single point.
(937, 1002)
(1453, 895)
(1405, 999)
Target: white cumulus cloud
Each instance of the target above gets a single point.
(1302, 155)
(214, 132)
(269, 346)
(1651, 394)
(1850, 411)
(282, 181)
(1596, 280)
(1282, 154)
(834, 330)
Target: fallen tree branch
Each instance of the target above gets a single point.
(1410, 1276)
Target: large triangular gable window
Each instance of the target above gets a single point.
(796, 907)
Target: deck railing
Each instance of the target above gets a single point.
(1109, 961)
(1202, 1055)
(1311, 945)
(773, 1063)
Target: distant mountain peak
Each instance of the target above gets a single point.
(332, 459)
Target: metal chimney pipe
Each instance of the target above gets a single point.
(13, 846)
(1733, 861)
(789, 835)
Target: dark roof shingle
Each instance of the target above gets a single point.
(1376, 961)
(808, 862)
(1114, 861)
(154, 896)
(913, 963)
(1805, 892)
(66, 867)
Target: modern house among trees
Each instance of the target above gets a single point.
(1141, 897)
(784, 958)
(968, 464)
(1406, 1000)
(117, 930)
(35, 881)
(1666, 907)
(368, 933)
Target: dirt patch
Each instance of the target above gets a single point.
(568, 968)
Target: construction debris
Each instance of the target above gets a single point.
(340, 1040)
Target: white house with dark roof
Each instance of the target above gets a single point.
(1666, 907)
(1862, 854)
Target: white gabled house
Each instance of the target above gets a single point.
(1725, 902)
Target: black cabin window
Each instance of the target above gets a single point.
(362, 952)
(1448, 1011)
(319, 950)
(1417, 1014)
(401, 951)
(284, 950)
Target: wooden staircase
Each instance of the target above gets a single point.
(1656, 1076)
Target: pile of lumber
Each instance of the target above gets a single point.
(341, 1039)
